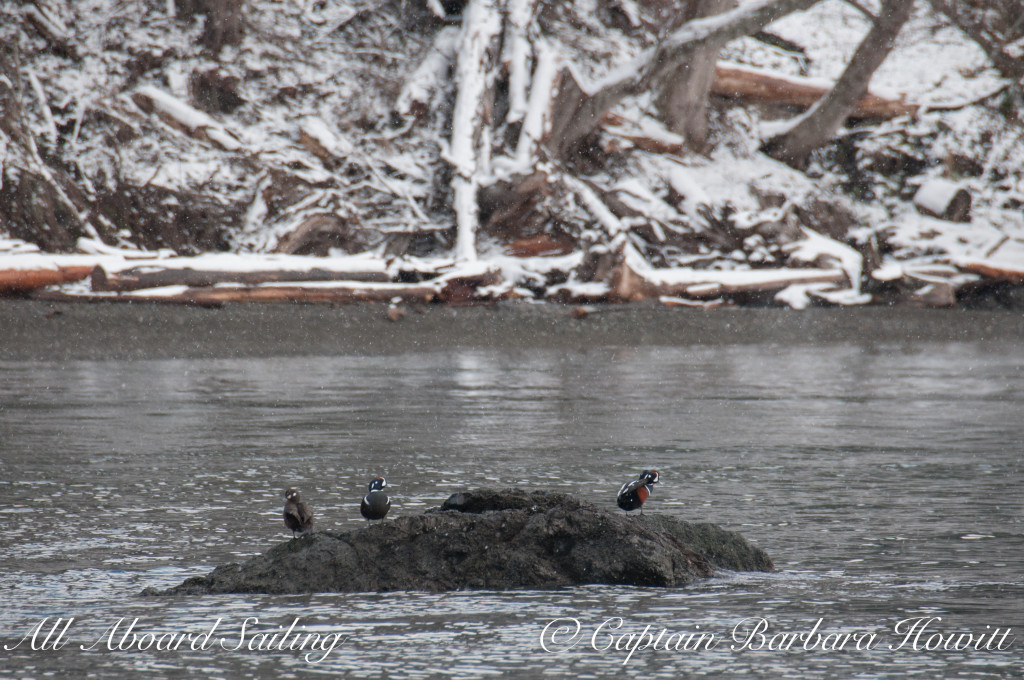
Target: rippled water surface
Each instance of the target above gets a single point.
(886, 483)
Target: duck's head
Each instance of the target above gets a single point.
(292, 495)
(650, 476)
(378, 483)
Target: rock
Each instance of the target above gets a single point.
(491, 539)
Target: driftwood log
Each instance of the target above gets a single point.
(995, 270)
(630, 285)
(453, 289)
(146, 277)
(764, 88)
(16, 281)
(215, 297)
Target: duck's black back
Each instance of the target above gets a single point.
(375, 505)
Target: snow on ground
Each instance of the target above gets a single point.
(317, 83)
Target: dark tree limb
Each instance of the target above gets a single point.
(825, 118)
(576, 116)
(682, 102)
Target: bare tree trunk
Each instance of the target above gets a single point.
(224, 20)
(682, 103)
(469, 148)
(576, 115)
(223, 24)
(818, 125)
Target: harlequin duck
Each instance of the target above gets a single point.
(297, 515)
(376, 503)
(633, 494)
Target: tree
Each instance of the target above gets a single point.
(572, 115)
(682, 102)
(577, 115)
(224, 21)
(821, 122)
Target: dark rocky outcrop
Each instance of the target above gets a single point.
(492, 539)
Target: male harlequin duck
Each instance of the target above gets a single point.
(297, 515)
(633, 494)
(376, 503)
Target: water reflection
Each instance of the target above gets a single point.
(884, 482)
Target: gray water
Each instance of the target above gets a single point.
(884, 480)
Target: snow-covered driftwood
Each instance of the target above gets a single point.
(1004, 269)
(153, 277)
(763, 87)
(181, 116)
(635, 280)
(322, 142)
(944, 199)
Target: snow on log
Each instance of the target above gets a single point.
(517, 62)
(613, 226)
(44, 107)
(818, 250)
(538, 108)
(430, 75)
(322, 142)
(481, 25)
(436, 8)
(647, 134)
(759, 86)
(51, 28)
(1002, 269)
(635, 280)
(287, 293)
(216, 296)
(185, 118)
(150, 277)
(943, 199)
(16, 281)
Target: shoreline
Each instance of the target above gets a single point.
(32, 330)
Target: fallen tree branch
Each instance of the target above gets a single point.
(752, 85)
(184, 118)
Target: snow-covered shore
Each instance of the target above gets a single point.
(213, 278)
(328, 170)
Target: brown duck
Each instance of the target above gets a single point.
(297, 515)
